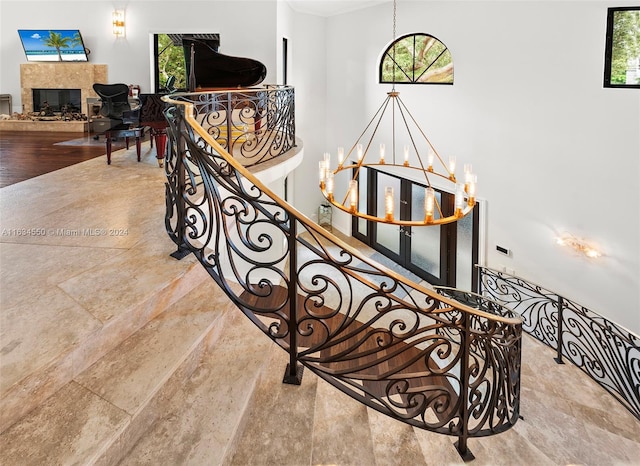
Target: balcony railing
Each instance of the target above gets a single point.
(394, 345)
(253, 124)
(608, 353)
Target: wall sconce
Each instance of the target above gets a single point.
(578, 245)
(117, 18)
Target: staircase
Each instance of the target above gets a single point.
(114, 353)
(214, 396)
(394, 345)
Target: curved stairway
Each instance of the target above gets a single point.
(199, 384)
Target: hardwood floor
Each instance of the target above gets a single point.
(27, 154)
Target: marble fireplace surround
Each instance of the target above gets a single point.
(58, 75)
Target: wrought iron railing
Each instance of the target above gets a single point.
(608, 353)
(252, 124)
(396, 346)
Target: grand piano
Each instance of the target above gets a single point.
(208, 69)
(152, 117)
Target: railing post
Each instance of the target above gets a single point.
(182, 251)
(293, 372)
(465, 344)
(229, 115)
(558, 357)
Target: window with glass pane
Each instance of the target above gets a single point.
(622, 49)
(417, 58)
(464, 253)
(170, 66)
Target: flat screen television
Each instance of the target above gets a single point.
(53, 45)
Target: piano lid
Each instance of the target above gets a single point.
(211, 39)
(207, 68)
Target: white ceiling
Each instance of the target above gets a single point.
(331, 7)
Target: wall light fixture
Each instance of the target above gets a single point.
(578, 245)
(118, 23)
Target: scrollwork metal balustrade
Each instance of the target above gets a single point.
(608, 353)
(398, 347)
(253, 125)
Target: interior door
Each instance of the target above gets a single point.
(428, 247)
(443, 255)
(422, 250)
(388, 238)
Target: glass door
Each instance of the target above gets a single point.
(466, 258)
(443, 255)
(360, 227)
(428, 246)
(387, 237)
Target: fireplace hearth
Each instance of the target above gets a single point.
(58, 76)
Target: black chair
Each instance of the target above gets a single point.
(125, 122)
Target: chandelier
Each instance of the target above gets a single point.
(436, 173)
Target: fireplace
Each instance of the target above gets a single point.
(60, 76)
(57, 100)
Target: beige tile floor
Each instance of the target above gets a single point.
(79, 248)
(57, 288)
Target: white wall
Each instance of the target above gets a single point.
(128, 58)
(554, 151)
(309, 76)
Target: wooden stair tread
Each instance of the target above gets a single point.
(420, 375)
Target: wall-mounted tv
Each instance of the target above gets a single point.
(53, 45)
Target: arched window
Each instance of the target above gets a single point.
(417, 59)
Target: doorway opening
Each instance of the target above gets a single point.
(443, 255)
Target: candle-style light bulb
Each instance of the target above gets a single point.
(353, 195)
(468, 170)
(406, 156)
(329, 185)
(468, 177)
(459, 202)
(430, 158)
(382, 154)
(429, 203)
(452, 167)
(340, 156)
(322, 173)
(360, 152)
(470, 188)
(326, 168)
(388, 203)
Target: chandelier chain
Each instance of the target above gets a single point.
(393, 39)
(394, 20)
